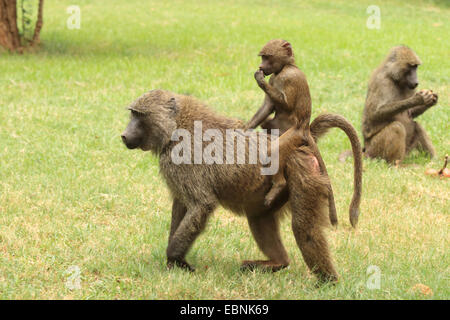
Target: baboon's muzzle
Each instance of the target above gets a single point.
(129, 142)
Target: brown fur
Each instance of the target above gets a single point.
(392, 103)
(197, 189)
(319, 127)
(287, 94)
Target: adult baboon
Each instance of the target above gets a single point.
(287, 94)
(198, 188)
(391, 105)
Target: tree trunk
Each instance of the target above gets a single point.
(9, 33)
(39, 23)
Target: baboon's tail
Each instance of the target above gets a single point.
(319, 127)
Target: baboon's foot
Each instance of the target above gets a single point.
(268, 200)
(354, 214)
(264, 265)
(171, 263)
(276, 189)
(325, 278)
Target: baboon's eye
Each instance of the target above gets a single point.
(136, 113)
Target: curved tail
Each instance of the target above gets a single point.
(319, 127)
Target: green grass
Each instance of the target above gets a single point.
(72, 195)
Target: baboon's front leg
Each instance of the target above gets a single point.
(417, 111)
(178, 213)
(278, 97)
(261, 115)
(188, 230)
(389, 110)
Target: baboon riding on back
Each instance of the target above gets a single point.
(197, 189)
(287, 96)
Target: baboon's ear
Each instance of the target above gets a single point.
(172, 105)
(288, 48)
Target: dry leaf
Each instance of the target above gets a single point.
(423, 289)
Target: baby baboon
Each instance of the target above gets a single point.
(391, 105)
(198, 188)
(287, 94)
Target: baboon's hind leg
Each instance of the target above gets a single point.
(423, 141)
(266, 231)
(308, 192)
(389, 143)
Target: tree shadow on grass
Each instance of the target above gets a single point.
(442, 3)
(56, 43)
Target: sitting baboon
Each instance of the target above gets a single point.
(198, 188)
(287, 94)
(391, 105)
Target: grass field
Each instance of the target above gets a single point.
(76, 204)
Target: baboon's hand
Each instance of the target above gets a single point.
(436, 97)
(429, 98)
(418, 98)
(259, 77)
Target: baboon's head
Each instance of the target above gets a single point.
(275, 55)
(401, 65)
(152, 121)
